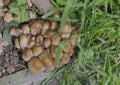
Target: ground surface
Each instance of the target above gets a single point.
(10, 61)
(98, 53)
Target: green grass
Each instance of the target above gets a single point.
(97, 61)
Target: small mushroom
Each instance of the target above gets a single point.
(33, 38)
(60, 64)
(48, 51)
(65, 58)
(16, 42)
(41, 21)
(73, 43)
(47, 61)
(53, 50)
(56, 40)
(8, 17)
(47, 43)
(28, 36)
(66, 31)
(67, 47)
(23, 40)
(27, 54)
(25, 28)
(35, 28)
(30, 44)
(37, 50)
(35, 65)
(31, 22)
(71, 51)
(56, 15)
(53, 25)
(15, 31)
(39, 38)
(49, 34)
(45, 27)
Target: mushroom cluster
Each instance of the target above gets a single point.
(38, 41)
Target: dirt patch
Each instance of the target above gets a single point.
(10, 61)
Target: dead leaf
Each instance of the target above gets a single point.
(42, 5)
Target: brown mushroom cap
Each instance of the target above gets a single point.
(66, 31)
(65, 58)
(30, 44)
(35, 65)
(16, 42)
(75, 34)
(39, 38)
(37, 50)
(35, 28)
(8, 17)
(31, 22)
(53, 25)
(33, 38)
(49, 34)
(56, 15)
(53, 50)
(25, 28)
(27, 54)
(60, 64)
(15, 31)
(67, 47)
(71, 51)
(47, 43)
(47, 61)
(45, 27)
(56, 40)
(23, 39)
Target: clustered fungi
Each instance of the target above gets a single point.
(38, 41)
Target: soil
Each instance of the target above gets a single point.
(10, 61)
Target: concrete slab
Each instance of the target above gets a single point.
(20, 78)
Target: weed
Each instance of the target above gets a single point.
(97, 60)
